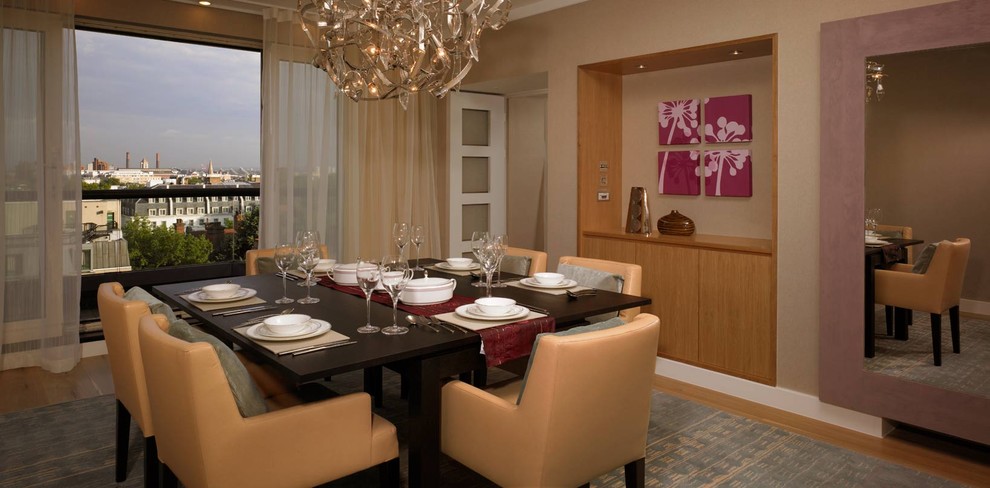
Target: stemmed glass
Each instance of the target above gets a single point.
(479, 240)
(500, 244)
(285, 254)
(873, 218)
(315, 237)
(308, 256)
(368, 276)
(489, 260)
(400, 234)
(418, 236)
(395, 276)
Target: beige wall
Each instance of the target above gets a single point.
(927, 151)
(598, 30)
(526, 156)
(742, 217)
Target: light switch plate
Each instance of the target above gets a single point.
(603, 180)
(602, 165)
(602, 196)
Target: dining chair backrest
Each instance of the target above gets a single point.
(119, 318)
(537, 259)
(899, 232)
(251, 258)
(632, 276)
(947, 269)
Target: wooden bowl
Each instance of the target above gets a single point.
(675, 224)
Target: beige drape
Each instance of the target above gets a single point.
(393, 169)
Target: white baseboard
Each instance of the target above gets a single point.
(95, 348)
(780, 398)
(974, 306)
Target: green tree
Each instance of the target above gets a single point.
(246, 236)
(104, 184)
(152, 246)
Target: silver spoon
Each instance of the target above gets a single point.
(414, 320)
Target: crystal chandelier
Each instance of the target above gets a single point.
(378, 49)
(874, 80)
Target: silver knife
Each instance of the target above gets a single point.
(258, 308)
(308, 349)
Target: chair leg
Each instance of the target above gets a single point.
(152, 465)
(636, 473)
(480, 377)
(888, 316)
(954, 324)
(937, 337)
(169, 480)
(388, 474)
(900, 324)
(123, 440)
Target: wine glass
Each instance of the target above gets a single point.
(308, 256)
(418, 236)
(308, 236)
(501, 248)
(284, 256)
(395, 276)
(478, 240)
(400, 234)
(873, 218)
(489, 261)
(368, 277)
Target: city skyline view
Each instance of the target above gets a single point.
(190, 103)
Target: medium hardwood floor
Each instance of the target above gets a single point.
(966, 463)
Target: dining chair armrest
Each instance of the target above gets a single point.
(905, 290)
(476, 423)
(901, 268)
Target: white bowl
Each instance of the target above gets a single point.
(495, 305)
(217, 292)
(548, 278)
(287, 324)
(459, 262)
(324, 265)
(428, 290)
(345, 274)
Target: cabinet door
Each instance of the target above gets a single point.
(670, 279)
(735, 324)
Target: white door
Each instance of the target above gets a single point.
(477, 167)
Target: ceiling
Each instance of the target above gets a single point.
(520, 8)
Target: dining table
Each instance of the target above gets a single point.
(426, 358)
(879, 257)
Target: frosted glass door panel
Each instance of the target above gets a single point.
(475, 175)
(473, 218)
(474, 127)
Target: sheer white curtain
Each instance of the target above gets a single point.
(39, 172)
(299, 140)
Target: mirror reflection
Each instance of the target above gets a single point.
(927, 181)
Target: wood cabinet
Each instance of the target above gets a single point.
(713, 294)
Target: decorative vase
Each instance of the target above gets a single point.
(638, 220)
(675, 224)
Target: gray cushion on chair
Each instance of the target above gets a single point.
(266, 265)
(249, 399)
(154, 304)
(593, 278)
(607, 324)
(921, 264)
(517, 264)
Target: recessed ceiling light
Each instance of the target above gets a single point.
(736, 52)
(642, 66)
(205, 3)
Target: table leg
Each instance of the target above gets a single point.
(373, 384)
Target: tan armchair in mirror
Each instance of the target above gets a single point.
(555, 435)
(935, 291)
(252, 257)
(204, 441)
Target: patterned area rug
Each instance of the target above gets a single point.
(72, 444)
(968, 371)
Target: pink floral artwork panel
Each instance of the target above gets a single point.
(680, 172)
(679, 121)
(729, 119)
(728, 173)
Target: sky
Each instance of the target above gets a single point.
(189, 102)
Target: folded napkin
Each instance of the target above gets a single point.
(892, 253)
(551, 291)
(501, 341)
(206, 307)
(282, 346)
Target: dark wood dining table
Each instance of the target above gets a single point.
(426, 358)
(875, 259)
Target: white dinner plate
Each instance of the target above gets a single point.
(559, 286)
(472, 311)
(876, 242)
(445, 265)
(318, 327)
(242, 294)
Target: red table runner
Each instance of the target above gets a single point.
(499, 344)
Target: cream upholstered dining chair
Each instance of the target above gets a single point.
(935, 290)
(204, 441)
(632, 276)
(119, 317)
(898, 232)
(585, 410)
(524, 261)
(251, 263)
